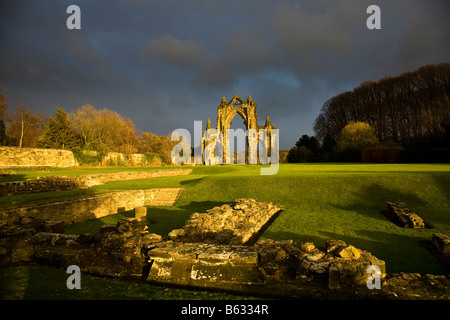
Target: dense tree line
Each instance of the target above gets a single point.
(87, 128)
(354, 138)
(412, 109)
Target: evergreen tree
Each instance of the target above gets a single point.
(59, 133)
(309, 142)
(300, 154)
(328, 143)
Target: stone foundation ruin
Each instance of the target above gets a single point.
(210, 251)
(201, 254)
(278, 268)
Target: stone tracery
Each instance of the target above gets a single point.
(226, 111)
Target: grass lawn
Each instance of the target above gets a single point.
(321, 201)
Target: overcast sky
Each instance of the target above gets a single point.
(166, 64)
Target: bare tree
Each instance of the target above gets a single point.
(25, 128)
(104, 130)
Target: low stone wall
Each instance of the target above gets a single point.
(78, 210)
(235, 223)
(31, 157)
(402, 216)
(60, 183)
(133, 159)
(100, 178)
(41, 185)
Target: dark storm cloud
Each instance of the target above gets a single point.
(164, 64)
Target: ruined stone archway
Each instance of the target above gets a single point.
(226, 111)
(236, 140)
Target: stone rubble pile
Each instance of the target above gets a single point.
(234, 223)
(109, 251)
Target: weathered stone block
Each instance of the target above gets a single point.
(181, 269)
(214, 256)
(348, 252)
(225, 273)
(398, 213)
(160, 254)
(140, 213)
(308, 247)
(151, 237)
(249, 259)
(176, 233)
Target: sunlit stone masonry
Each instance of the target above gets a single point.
(217, 249)
(278, 268)
(234, 223)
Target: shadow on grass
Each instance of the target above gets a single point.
(190, 181)
(12, 177)
(20, 200)
(162, 220)
(95, 223)
(371, 199)
(443, 181)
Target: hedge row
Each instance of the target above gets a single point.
(385, 155)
